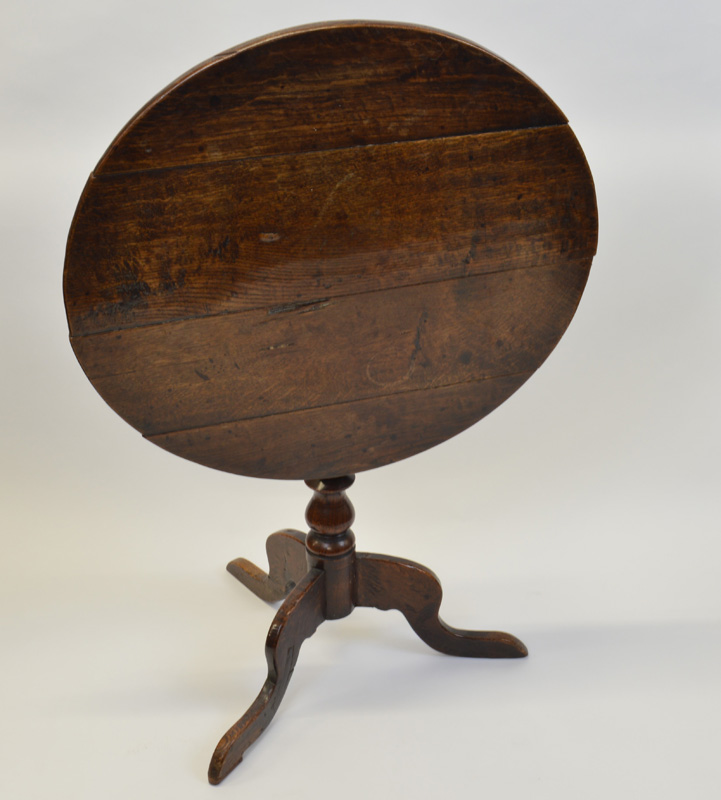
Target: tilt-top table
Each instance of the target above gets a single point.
(319, 253)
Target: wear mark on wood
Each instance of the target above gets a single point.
(395, 365)
(302, 306)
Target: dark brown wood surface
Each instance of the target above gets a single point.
(320, 576)
(328, 250)
(326, 86)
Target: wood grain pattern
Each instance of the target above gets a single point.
(326, 86)
(334, 581)
(296, 228)
(386, 582)
(367, 433)
(328, 250)
(322, 252)
(297, 619)
(207, 371)
(287, 565)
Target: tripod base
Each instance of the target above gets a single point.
(322, 577)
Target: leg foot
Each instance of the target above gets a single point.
(385, 582)
(296, 620)
(287, 565)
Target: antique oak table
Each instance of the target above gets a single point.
(319, 253)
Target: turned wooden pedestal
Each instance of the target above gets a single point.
(319, 253)
(321, 577)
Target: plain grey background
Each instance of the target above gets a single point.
(582, 515)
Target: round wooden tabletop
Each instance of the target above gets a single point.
(329, 249)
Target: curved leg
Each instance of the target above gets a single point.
(385, 582)
(287, 565)
(296, 620)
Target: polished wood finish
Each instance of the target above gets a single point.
(268, 368)
(322, 252)
(328, 250)
(335, 581)
(298, 229)
(369, 433)
(296, 620)
(386, 583)
(330, 544)
(328, 86)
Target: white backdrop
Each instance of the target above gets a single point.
(583, 515)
